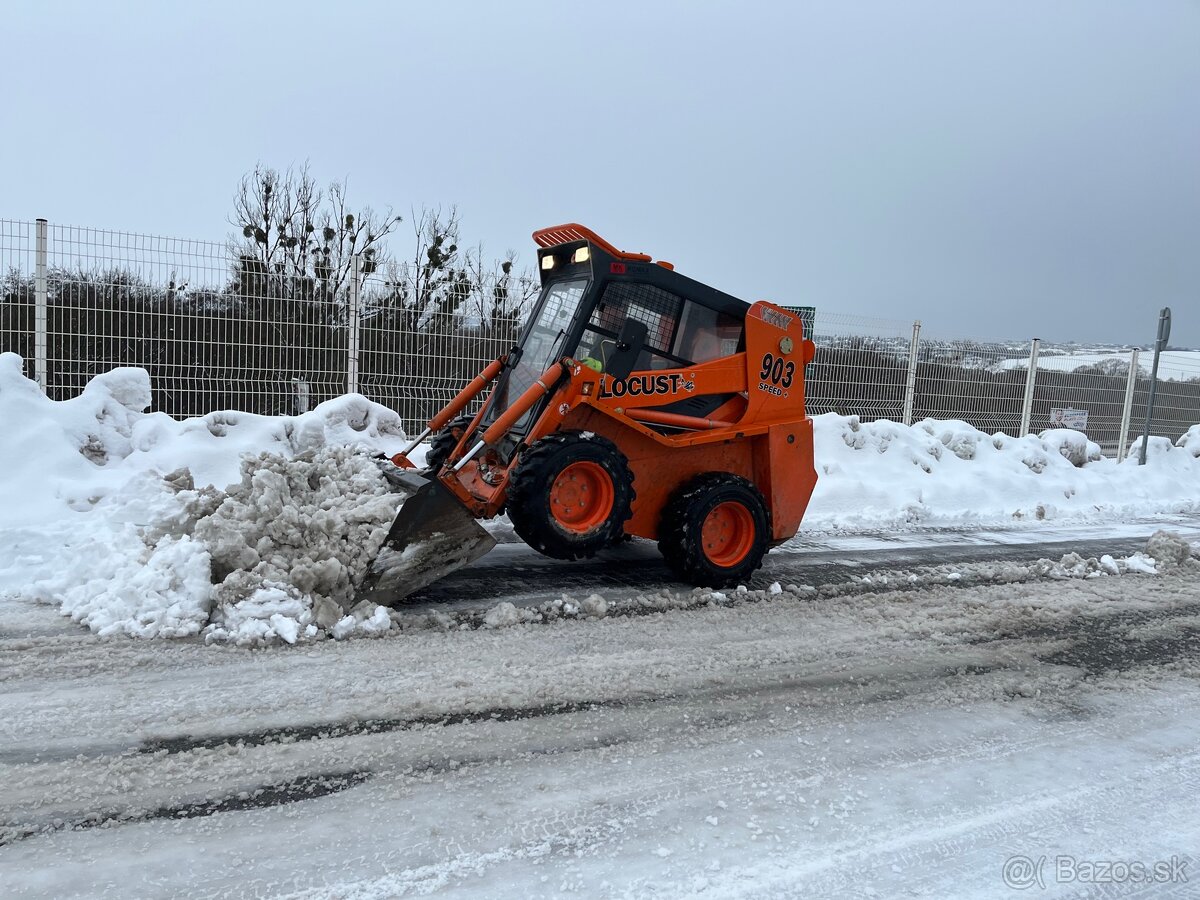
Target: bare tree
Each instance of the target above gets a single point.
(435, 258)
(298, 241)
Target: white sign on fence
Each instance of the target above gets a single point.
(1069, 418)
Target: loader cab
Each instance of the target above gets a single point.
(615, 312)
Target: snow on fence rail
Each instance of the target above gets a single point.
(220, 328)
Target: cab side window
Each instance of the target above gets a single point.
(657, 309)
(678, 332)
(705, 334)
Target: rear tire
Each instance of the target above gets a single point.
(442, 444)
(715, 530)
(569, 496)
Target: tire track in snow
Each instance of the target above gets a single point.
(865, 688)
(354, 728)
(335, 729)
(588, 830)
(879, 684)
(1099, 643)
(1108, 643)
(304, 787)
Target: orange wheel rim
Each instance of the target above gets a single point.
(581, 497)
(727, 534)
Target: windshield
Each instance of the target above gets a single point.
(542, 343)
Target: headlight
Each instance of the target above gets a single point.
(581, 255)
(547, 262)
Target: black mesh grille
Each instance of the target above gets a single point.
(656, 308)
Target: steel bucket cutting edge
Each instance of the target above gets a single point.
(432, 535)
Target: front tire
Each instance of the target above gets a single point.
(442, 444)
(715, 530)
(570, 495)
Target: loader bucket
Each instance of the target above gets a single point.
(433, 535)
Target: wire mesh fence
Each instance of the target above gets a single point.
(861, 366)
(229, 326)
(418, 351)
(18, 310)
(966, 379)
(1101, 394)
(1177, 396)
(219, 328)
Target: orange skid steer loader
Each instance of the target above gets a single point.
(636, 402)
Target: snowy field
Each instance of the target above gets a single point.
(978, 650)
(1173, 365)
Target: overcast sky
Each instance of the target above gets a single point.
(998, 170)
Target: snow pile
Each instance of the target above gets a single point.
(118, 585)
(51, 452)
(289, 541)
(1190, 441)
(1169, 549)
(502, 615)
(63, 456)
(244, 527)
(1073, 446)
(505, 614)
(274, 557)
(883, 474)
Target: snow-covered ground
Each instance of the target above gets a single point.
(1173, 365)
(906, 697)
(841, 739)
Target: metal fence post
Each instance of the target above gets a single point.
(910, 382)
(1127, 412)
(352, 326)
(41, 302)
(1164, 334)
(1030, 381)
